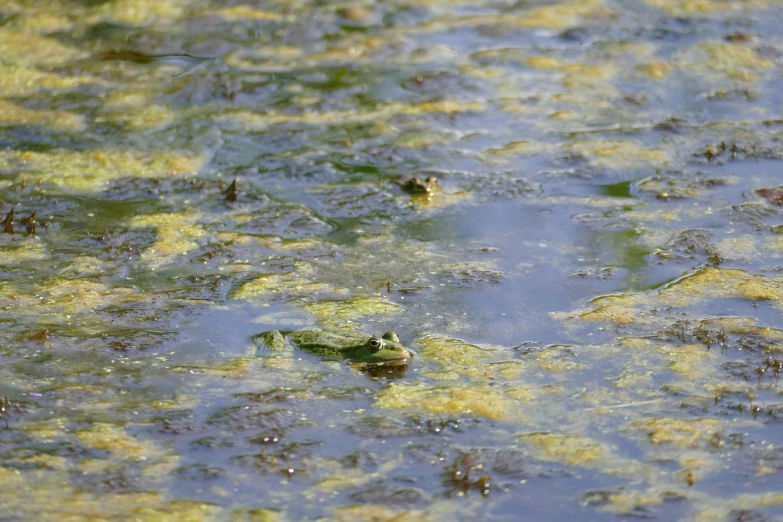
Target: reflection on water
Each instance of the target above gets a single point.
(384, 371)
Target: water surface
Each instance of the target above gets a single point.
(593, 292)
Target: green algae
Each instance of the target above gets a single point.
(176, 236)
(352, 309)
(16, 251)
(568, 14)
(690, 290)
(259, 121)
(11, 114)
(477, 399)
(84, 172)
(276, 106)
(686, 433)
(634, 503)
(620, 154)
(685, 7)
(31, 49)
(244, 12)
(264, 286)
(236, 368)
(571, 449)
(381, 513)
(256, 515)
(136, 110)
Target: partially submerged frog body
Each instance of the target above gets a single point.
(417, 186)
(352, 346)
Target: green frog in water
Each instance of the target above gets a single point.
(352, 346)
(417, 186)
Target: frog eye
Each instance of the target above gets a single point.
(374, 344)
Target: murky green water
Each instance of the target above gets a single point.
(594, 291)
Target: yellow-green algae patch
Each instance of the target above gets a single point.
(235, 367)
(258, 121)
(353, 308)
(47, 494)
(92, 170)
(142, 12)
(454, 354)
(654, 69)
(386, 513)
(558, 359)
(691, 360)
(518, 147)
(339, 478)
(480, 399)
(73, 296)
(560, 16)
(17, 80)
(15, 251)
(298, 282)
(579, 451)
(760, 291)
(32, 49)
(574, 450)
(83, 266)
(690, 7)
(43, 461)
(136, 109)
(704, 284)
(458, 360)
(51, 496)
(12, 114)
(685, 433)
(245, 12)
(256, 515)
(179, 511)
(620, 154)
(156, 462)
(740, 248)
(177, 236)
(113, 438)
(723, 59)
(274, 243)
(628, 503)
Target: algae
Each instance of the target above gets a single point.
(558, 124)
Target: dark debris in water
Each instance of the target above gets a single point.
(382, 427)
(724, 152)
(5, 409)
(751, 213)
(8, 222)
(231, 192)
(748, 515)
(383, 492)
(772, 195)
(41, 337)
(30, 222)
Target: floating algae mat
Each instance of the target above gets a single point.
(569, 210)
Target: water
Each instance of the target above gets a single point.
(593, 291)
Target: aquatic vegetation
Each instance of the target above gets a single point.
(569, 210)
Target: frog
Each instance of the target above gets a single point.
(351, 346)
(417, 186)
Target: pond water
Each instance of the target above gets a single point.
(592, 288)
